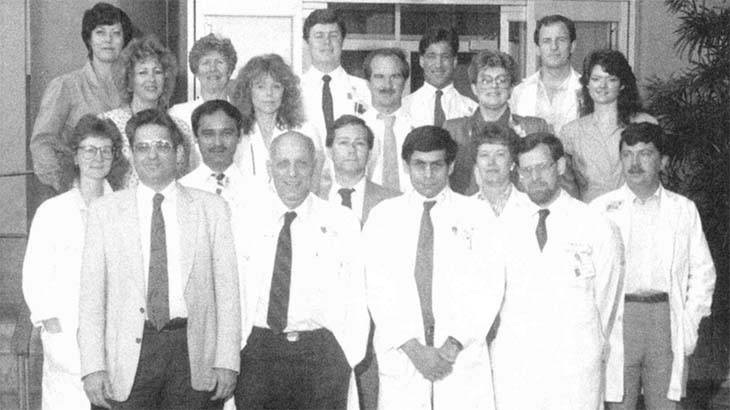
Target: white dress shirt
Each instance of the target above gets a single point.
(350, 95)
(643, 274)
(420, 105)
(559, 308)
(468, 282)
(237, 190)
(530, 98)
(401, 127)
(172, 242)
(357, 196)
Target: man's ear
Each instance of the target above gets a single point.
(663, 163)
(561, 165)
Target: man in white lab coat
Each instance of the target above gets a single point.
(669, 283)
(435, 282)
(563, 281)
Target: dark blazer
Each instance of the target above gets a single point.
(462, 131)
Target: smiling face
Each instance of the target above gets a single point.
(350, 150)
(554, 45)
(291, 166)
(325, 46)
(154, 156)
(94, 157)
(642, 164)
(106, 42)
(217, 139)
(493, 164)
(213, 72)
(266, 94)
(439, 63)
(603, 87)
(386, 83)
(429, 172)
(148, 81)
(493, 88)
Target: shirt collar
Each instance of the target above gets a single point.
(145, 193)
(338, 72)
(416, 198)
(446, 90)
(562, 197)
(631, 196)
(304, 210)
(359, 187)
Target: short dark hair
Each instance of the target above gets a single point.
(489, 58)
(153, 116)
(429, 138)
(554, 19)
(104, 14)
(399, 54)
(323, 16)
(531, 141)
(437, 35)
(212, 42)
(346, 120)
(212, 106)
(645, 132)
(494, 133)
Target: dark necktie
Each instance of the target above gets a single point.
(281, 278)
(541, 230)
(439, 117)
(346, 195)
(327, 106)
(158, 303)
(391, 176)
(221, 182)
(424, 270)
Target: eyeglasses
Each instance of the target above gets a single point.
(160, 146)
(501, 81)
(90, 152)
(527, 172)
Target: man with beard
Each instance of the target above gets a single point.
(437, 100)
(387, 70)
(670, 278)
(564, 276)
(553, 92)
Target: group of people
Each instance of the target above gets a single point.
(324, 242)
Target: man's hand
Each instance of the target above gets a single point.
(52, 325)
(98, 388)
(427, 360)
(225, 383)
(449, 350)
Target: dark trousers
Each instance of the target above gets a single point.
(280, 373)
(366, 376)
(163, 374)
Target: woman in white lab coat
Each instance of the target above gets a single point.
(52, 266)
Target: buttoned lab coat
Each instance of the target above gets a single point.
(467, 291)
(683, 254)
(559, 308)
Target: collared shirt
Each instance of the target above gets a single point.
(350, 95)
(420, 105)
(643, 274)
(530, 98)
(66, 99)
(401, 127)
(357, 196)
(595, 155)
(172, 242)
(121, 116)
(236, 190)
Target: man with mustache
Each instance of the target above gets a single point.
(553, 92)
(437, 100)
(564, 275)
(670, 277)
(387, 70)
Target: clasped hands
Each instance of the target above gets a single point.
(433, 363)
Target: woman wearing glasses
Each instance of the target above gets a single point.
(52, 265)
(145, 77)
(492, 75)
(610, 102)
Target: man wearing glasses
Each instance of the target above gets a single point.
(159, 320)
(564, 275)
